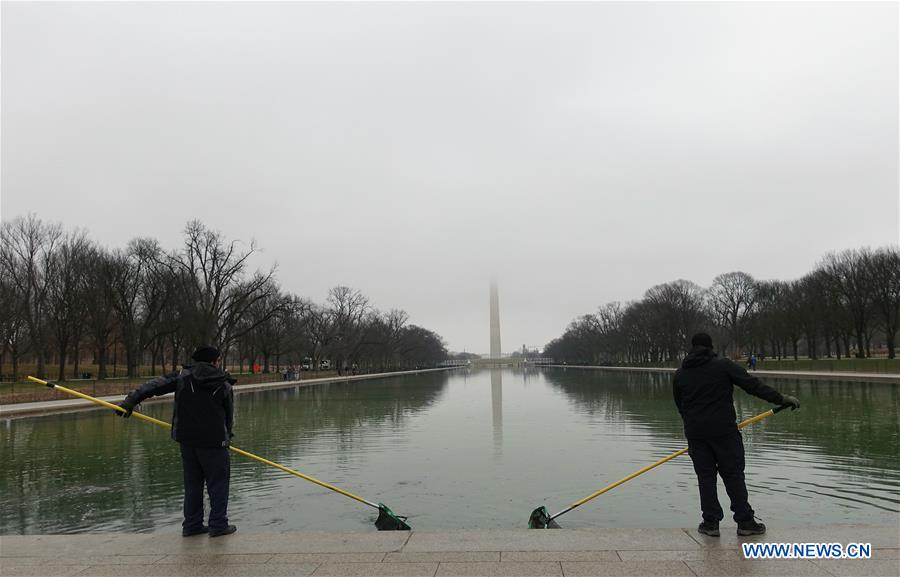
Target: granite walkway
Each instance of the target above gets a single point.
(487, 553)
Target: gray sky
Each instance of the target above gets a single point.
(579, 152)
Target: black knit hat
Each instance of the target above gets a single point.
(206, 354)
(701, 340)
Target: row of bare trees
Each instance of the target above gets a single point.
(849, 305)
(62, 295)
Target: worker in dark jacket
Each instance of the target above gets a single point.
(703, 393)
(202, 424)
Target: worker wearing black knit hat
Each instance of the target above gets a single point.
(703, 388)
(202, 425)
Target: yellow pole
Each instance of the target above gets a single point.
(233, 449)
(678, 453)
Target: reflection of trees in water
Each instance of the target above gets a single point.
(856, 421)
(83, 471)
(279, 418)
(65, 473)
(645, 398)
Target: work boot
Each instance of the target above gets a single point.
(710, 528)
(223, 531)
(750, 527)
(202, 530)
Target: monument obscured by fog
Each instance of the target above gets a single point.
(496, 352)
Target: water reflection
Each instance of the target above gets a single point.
(424, 444)
(845, 437)
(91, 471)
(497, 408)
(843, 419)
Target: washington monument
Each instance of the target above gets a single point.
(495, 322)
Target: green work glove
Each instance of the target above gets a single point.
(792, 402)
(128, 406)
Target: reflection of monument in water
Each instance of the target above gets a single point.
(497, 406)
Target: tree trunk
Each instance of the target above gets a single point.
(812, 349)
(102, 354)
(62, 361)
(75, 361)
(41, 363)
(795, 342)
(890, 336)
(131, 357)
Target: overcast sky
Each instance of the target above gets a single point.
(580, 153)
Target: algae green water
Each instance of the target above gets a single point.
(476, 449)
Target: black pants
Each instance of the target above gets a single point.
(725, 456)
(210, 466)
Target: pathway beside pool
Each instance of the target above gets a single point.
(520, 552)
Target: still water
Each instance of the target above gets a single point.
(475, 449)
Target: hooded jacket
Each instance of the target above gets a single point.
(204, 403)
(703, 393)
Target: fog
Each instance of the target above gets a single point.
(578, 153)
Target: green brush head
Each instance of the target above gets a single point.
(540, 519)
(389, 521)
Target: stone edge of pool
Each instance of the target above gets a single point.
(607, 551)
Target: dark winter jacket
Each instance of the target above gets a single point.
(703, 393)
(204, 404)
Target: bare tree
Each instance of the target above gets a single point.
(732, 298)
(347, 309)
(211, 275)
(809, 296)
(141, 288)
(13, 329)
(394, 324)
(66, 302)
(421, 347)
(99, 302)
(269, 320)
(321, 330)
(27, 246)
(885, 274)
(678, 312)
(848, 274)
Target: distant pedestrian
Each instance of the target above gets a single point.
(703, 389)
(202, 425)
(752, 361)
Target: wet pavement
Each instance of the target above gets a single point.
(521, 552)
